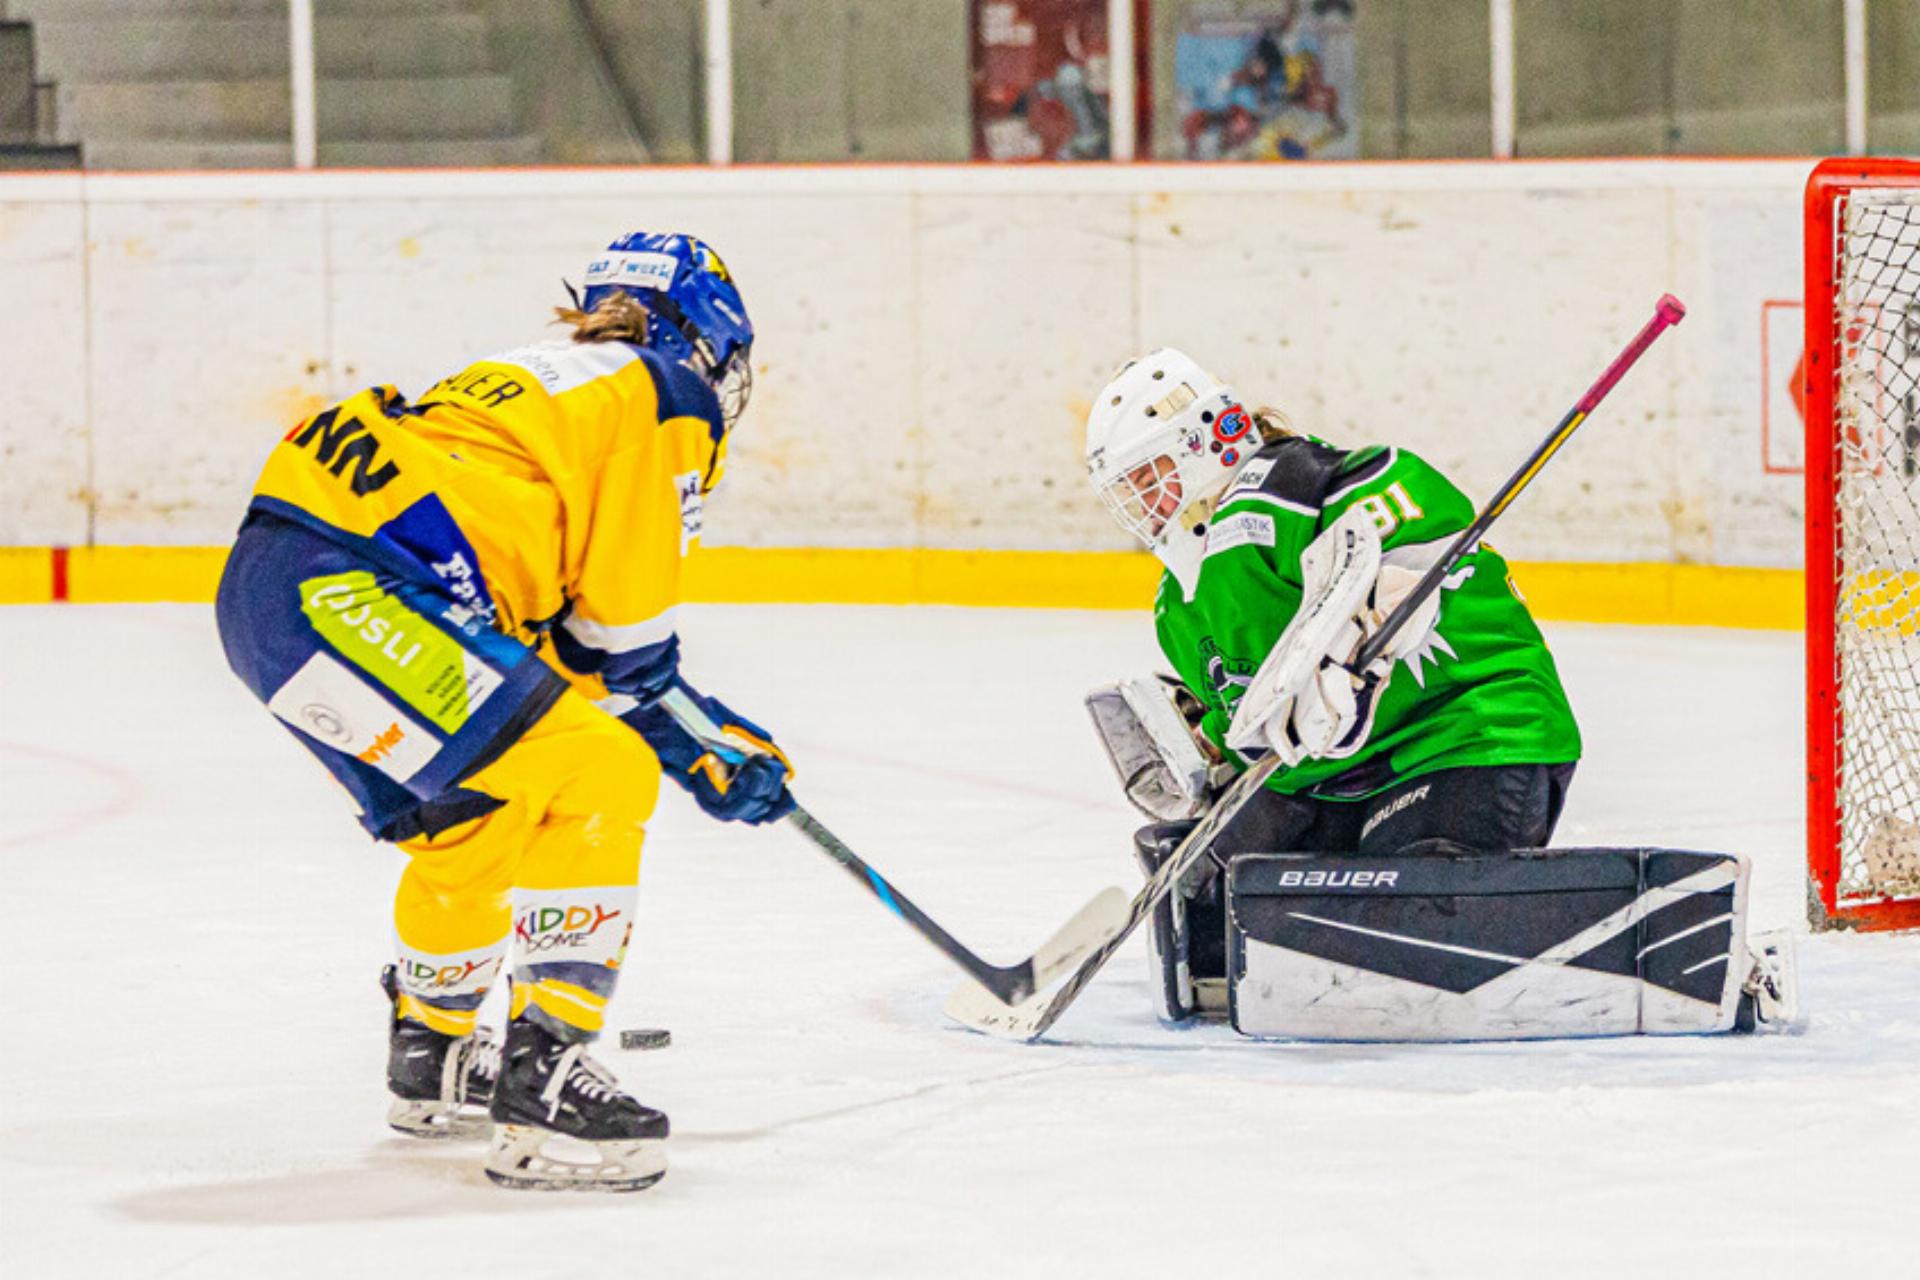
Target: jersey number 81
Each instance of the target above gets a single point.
(1391, 508)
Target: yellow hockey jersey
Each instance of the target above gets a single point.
(556, 485)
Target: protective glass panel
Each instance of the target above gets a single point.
(1681, 77)
(1877, 506)
(1317, 79)
(1893, 79)
(485, 83)
(846, 80)
(131, 86)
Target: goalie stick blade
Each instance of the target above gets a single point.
(1090, 927)
(977, 1009)
(1030, 1019)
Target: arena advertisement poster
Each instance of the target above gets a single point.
(1040, 75)
(1268, 86)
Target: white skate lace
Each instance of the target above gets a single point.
(473, 1055)
(483, 1056)
(585, 1075)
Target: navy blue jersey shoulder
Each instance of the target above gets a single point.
(1301, 469)
(1363, 464)
(683, 393)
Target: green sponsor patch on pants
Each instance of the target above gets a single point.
(422, 665)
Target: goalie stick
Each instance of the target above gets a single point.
(1032, 1018)
(1093, 924)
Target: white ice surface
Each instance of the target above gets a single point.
(192, 1042)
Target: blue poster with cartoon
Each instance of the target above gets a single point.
(1276, 86)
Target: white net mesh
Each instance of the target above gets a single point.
(1877, 508)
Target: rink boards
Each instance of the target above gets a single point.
(1645, 594)
(930, 337)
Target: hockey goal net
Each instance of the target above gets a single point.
(1863, 544)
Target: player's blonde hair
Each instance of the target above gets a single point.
(1272, 424)
(620, 317)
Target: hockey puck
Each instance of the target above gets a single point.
(645, 1038)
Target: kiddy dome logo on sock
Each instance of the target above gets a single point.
(549, 928)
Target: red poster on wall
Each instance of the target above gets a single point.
(1040, 77)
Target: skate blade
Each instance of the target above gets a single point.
(530, 1159)
(438, 1121)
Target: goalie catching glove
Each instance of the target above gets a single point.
(1306, 701)
(1150, 727)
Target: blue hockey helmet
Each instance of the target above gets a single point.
(696, 313)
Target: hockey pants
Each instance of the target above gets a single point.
(554, 872)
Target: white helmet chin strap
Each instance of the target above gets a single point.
(1183, 550)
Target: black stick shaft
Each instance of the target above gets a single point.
(1010, 983)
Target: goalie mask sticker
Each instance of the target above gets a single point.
(1229, 431)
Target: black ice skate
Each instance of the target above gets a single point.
(441, 1084)
(561, 1122)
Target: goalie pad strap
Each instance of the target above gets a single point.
(1487, 946)
(1168, 930)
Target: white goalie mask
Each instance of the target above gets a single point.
(1165, 437)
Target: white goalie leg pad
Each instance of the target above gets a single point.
(1531, 944)
(1150, 740)
(1339, 569)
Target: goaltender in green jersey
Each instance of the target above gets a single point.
(1462, 740)
(1474, 688)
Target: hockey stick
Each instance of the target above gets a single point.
(1032, 1018)
(1009, 984)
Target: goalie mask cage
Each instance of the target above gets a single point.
(1863, 544)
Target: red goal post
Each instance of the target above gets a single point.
(1863, 544)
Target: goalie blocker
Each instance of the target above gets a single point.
(1458, 945)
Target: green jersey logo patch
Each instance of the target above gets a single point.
(1227, 676)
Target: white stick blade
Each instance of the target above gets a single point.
(974, 1007)
(1092, 926)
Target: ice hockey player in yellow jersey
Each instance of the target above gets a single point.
(464, 606)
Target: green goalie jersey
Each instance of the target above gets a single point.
(1481, 691)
